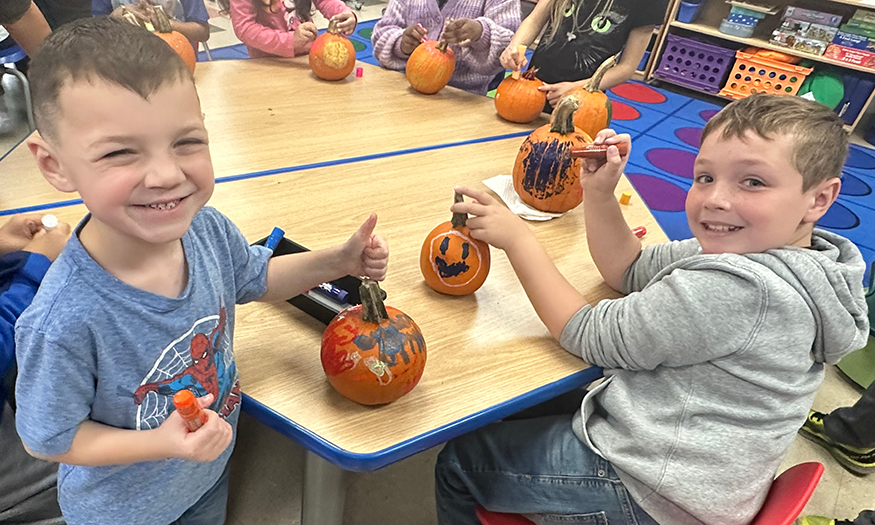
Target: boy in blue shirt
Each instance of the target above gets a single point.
(28, 492)
(713, 356)
(141, 302)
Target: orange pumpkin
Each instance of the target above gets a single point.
(595, 109)
(452, 261)
(332, 56)
(372, 353)
(430, 67)
(174, 39)
(518, 99)
(545, 176)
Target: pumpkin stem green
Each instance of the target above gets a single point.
(332, 27)
(593, 84)
(160, 20)
(442, 46)
(459, 219)
(563, 117)
(373, 309)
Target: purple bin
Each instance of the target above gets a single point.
(694, 64)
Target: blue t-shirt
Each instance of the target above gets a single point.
(182, 10)
(93, 347)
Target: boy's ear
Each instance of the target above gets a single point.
(824, 194)
(47, 162)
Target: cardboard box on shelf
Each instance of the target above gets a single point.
(864, 15)
(805, 45)
(855, 41)
(809, 30)
(810, 15)
(851, 56)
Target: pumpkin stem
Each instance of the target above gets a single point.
(563, 117)
(593, 84)
(160, 20)
(373, 309)
(332, 27)
(129, 17)
(442, 46)
(530, 73)
(459, 219)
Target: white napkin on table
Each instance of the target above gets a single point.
(503, 186)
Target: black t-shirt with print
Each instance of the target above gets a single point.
(602, 29)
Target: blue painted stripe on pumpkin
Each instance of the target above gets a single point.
(301, 167)
(357, 462)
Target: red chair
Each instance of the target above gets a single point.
(785, 501)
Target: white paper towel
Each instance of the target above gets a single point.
(503, 186)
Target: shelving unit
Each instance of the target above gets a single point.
(712, 12)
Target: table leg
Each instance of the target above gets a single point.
(324, 492)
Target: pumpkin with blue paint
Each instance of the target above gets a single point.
(452, 262)
(545, 175)
(371, 353)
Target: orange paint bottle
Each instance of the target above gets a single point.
(190, 410)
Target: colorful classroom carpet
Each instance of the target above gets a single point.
(665, 128)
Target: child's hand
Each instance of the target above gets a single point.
(204, 444)
(511, 58)
(50, 243)
(18, 231)
(603, 177)
(463, 31)
(412, 37)
(346, 22)
(304, 34)
(556, 91)
(366, 254)
(492, 221)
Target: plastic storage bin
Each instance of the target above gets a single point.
(736, 29)
(694, 64)
(753, 74)
(688, 11)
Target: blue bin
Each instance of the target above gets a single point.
(688, 11)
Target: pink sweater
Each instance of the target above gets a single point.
(475, 64)
(267, 34)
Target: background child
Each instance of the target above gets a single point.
(28, 489)
(478, 31)
(580, 35)
(283, 27)
(714, 355)
(189, 17)
(141, 303)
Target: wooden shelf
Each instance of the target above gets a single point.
(765, 44)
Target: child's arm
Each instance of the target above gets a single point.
(492, 33)
(253, 34)
(96, 444)
(528, 31)
(612, 244)
(337, 11)
(388, 36)
(364, 254)
(552, 296)
(194, 31)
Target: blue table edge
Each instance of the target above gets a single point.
(357, 462)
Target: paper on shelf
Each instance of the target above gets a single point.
(502, 185)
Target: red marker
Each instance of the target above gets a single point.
(425, 38)
(640, 231)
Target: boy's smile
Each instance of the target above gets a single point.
(747, 197)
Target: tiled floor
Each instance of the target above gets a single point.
(267, 468)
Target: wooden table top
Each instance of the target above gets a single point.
(269, 114)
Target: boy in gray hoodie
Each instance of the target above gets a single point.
(713, 356)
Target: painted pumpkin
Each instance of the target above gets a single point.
(518, 99)
(595, 109)
(332, 56)
(373, 354)
(452, 261)
(545, 175)
(430, 67)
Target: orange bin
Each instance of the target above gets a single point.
(754, 74)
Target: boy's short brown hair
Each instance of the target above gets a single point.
(820, 143)
(99, 49)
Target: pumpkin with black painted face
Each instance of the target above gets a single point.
(451, 261)
(371, 353)
(545, 176)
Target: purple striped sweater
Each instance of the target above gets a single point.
(475, 64)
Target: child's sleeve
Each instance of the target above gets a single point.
(386, 37)
(329, 8)
(195, 11)
(254, 34)
(55, 390)
(250, 264)
(20, 275)
(653, 259)
(101, 7)
(500, 20)
(692, 315)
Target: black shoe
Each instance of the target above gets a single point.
(860, 461)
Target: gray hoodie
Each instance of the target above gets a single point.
(712, 364)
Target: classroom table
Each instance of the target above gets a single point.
(488, 354)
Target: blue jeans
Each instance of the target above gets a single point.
(211, 508)
(531, 466)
